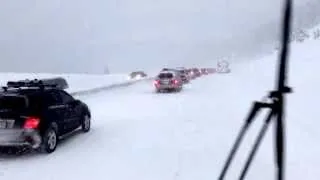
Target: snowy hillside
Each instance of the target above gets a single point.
(138, 134)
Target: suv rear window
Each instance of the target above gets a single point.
(183, 72)
(36, 101)
(13, 102)
(165, 75)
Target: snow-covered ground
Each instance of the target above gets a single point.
(77, 82)
(137, 134)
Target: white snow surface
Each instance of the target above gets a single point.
(77, 82)
(139, 135)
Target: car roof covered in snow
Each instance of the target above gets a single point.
(167, 72)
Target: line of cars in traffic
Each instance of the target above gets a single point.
(173, 79)
(37, 114)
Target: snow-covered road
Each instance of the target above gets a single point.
(138, 134)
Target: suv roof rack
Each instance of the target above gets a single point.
(169, 69)
(58, 83)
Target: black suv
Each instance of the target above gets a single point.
(36, 114)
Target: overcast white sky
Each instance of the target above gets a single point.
(86, 35)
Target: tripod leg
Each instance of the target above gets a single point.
(280, 140)
(256, 144)
(255, 109)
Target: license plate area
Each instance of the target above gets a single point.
(166, 82)
(6, 123)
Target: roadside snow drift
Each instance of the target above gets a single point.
(77, 82)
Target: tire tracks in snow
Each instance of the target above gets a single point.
(189, 130)
(3, 167)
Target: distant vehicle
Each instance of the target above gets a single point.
(167, 69)
(195, 72)
(184, 76)
(204, 71)
(137, 75)
(35, 114)
(190, 74)
(182, 72)
(168, 81)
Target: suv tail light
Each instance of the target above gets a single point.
(156, 82)
(174, 81)
(31, 123)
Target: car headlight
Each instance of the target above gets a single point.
(138, 76)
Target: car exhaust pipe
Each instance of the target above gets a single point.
(33, 138)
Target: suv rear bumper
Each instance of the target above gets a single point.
(186, 80)
(169, 86)
(19, 137)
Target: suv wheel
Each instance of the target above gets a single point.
(86, 123)
(50, 140)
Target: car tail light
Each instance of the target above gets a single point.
(175, 81)
(156, 82)
(31, 123)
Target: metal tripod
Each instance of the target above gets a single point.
(276, 112)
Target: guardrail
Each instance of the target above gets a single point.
(79, 84)
(108, 87)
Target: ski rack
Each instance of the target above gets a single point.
(56, 83)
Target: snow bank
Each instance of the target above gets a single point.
(251, 80)
(77, 82)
